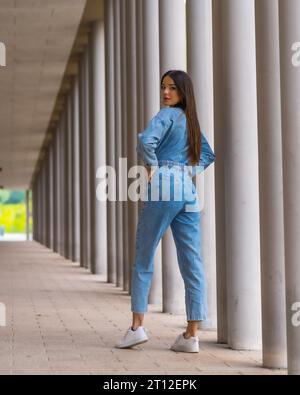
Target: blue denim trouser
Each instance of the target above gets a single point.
(154, 218)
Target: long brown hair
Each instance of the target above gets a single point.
(188, 104)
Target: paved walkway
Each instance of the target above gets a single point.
(60, 319)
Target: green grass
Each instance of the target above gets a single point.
(13, 218)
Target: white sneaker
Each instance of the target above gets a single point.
(133, 338)
(186, 345)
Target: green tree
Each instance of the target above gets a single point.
(13, 217)
(4, 195)
(16, 197)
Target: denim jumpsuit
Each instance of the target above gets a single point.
(164, 145)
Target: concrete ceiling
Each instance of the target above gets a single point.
(39, 36)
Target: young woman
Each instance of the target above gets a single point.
(171, 143)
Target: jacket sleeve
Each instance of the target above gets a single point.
(149, 139)
(207, 156)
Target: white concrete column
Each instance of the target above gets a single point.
(47, 196)
(99, 231)
(28, 213)
(51, 194)
(200, 69)
(63, 184)
(83, 164)
(172, 25)
(124, 55)
(41, 218)
(118, 140)
(85, 191)
(41, 200)
(34, 210)
(270, 185)
(220, 152)
(56, 191)
(88, 154)
(40, 222)
(110, 136)
(289, 25)
(37, 208)
(69, 174)
(44, 200)
(151, 98)
(91, 175)
(140, 72)
(41, 193)
(60, 187)
(41, 206)
(241, 174)
(54, 202)
(32, 186)
(36, 213)
(131, 99)
(76, 172)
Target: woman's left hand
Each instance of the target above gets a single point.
(150, 171)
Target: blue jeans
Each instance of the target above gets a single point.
(154, 218)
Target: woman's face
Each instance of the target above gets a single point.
(169, 92)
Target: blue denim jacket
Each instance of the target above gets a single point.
(165, 138)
